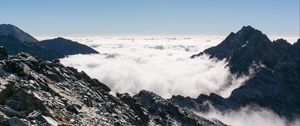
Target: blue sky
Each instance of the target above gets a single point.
(92, 17)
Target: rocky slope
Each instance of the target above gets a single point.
(36, 92)
(8, 29)
(47, 49)
(275, 83)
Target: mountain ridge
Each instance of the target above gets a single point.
(46, 49)
(9, 29)
(274, 84)
(59, 45)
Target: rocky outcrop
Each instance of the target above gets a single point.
(8, 29)
(37, 92)
(275, 83)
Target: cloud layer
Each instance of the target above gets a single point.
(250, 116)
(161, 65)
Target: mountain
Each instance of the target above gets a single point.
(274, 83)
(241, 49)
(14, 46)
(66, 47)
(37, 92)
(46, 50)
(8, 29)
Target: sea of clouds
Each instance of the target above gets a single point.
(159, 64)
(249, 116)
(162, 64)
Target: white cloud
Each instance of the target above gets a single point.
(161, 64)
(250, 116)
(158, 64)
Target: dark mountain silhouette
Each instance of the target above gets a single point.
(14, 46)
(275, 83)
(66, 47)
(46, 50)
(8, 29)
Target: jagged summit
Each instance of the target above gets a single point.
(8, 29)
(273, 83)
(241, 49)
(235, 41)
(247, 30)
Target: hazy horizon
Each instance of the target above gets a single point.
(65, 18)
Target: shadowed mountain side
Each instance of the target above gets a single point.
(275, 83)
(67, 47)
(46, 50)
(16, 41)
(8, 29)
(14, 46)
(248, 47)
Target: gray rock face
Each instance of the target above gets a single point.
(8, 29)
(36, 92)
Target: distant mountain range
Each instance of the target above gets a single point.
(15, 41)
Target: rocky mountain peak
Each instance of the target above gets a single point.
(247, 35)
(247, 30)
(241, 49)
(8, 29)
(274, 81)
